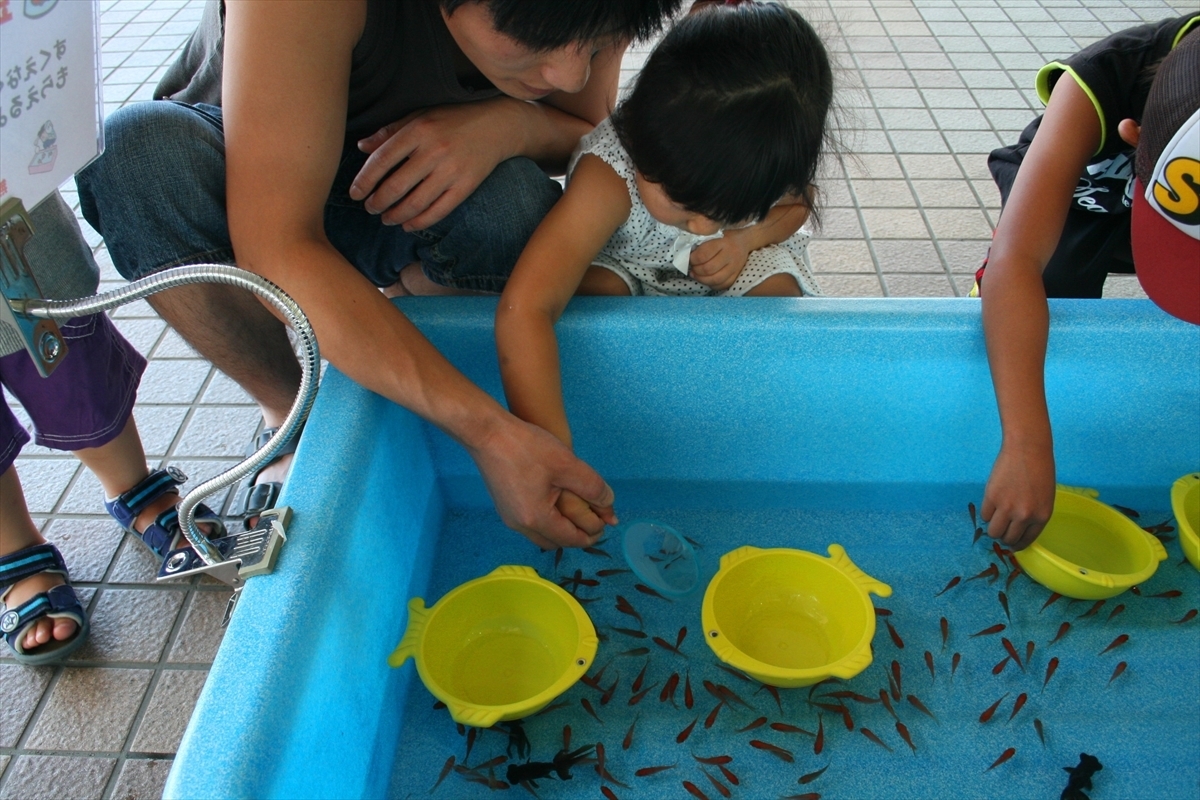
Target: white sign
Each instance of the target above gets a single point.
(50, 105)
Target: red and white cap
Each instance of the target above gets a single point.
(1166, 201)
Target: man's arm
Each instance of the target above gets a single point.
(450, 150)
(285, 94)
(1019, 497)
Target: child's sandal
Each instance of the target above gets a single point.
(59, 602)
(163, 534)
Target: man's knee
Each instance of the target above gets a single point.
(512, 202)
(477, 246)
(160, 179)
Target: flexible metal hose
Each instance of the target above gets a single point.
(310, 359)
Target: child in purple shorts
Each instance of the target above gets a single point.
(85, 406)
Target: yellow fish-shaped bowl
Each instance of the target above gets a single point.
(1089, 550)
(499, 647)
(1185, 502)
(789, 617)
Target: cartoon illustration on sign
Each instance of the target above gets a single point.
(38, 8)
(45, 149)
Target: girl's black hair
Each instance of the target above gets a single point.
(729, 113)
(549, 24)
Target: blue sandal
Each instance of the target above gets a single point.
(60, 602)
(253, 498)
(163, 534)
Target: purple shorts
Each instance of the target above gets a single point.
(84, 403)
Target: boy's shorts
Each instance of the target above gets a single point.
(84, 403)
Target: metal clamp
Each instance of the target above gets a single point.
(41, 337)
(244, 555)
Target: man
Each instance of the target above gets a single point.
(339, 148)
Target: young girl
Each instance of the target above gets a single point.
(697, 185)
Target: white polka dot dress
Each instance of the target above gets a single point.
(644, 252)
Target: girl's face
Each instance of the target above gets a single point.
(668, 212)
(512, 67)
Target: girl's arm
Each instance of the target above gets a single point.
(717, 264)
(547, 274)
(1019, 497)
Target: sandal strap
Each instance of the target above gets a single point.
(267, 434)
(58, 603)
(18, 566)
(129, 504)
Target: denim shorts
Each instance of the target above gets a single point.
(157, 196)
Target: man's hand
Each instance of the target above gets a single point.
(1019, 497)
(528, 472)
(718, 263)
(439, 157)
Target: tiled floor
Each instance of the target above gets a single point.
(929, 87)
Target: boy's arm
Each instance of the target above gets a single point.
(718, 263)
(546, 276)
(1019, 497)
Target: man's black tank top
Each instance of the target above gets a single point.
(404, 61)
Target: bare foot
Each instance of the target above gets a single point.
(414, 281)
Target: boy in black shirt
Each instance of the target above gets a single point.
(1066, 224)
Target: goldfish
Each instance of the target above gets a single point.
(1054, 598)
(945, 624)
(896, 640)
(1115, 643)
(1050, 668)
(1005, 756)
(1117, 673)
(990, 631)
(903, 731)
(449, 765)
(1012, 651)
(778, 752)
(870, 735)
(953, 582)
(646, 771)
(637, 682)
(919, 706)
(986, 716)
(812, 776)
(1020, 701)
(627, 742)
(668, 692)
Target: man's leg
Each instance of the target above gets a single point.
(157, 196)
(472, 251)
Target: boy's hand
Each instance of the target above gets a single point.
(1019, 496)
(718, 263)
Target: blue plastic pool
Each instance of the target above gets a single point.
(769, 422)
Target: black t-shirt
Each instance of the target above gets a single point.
(1116, 74)
(404, 61)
